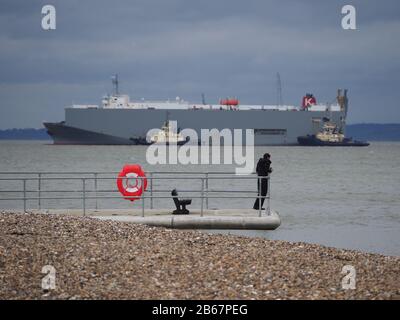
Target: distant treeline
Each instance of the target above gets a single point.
(24, 134)
(364, 131)
(374, 131)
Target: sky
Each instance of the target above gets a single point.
(162, 49)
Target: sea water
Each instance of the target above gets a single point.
(345, 197)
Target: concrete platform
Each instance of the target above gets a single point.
(211, 219)
(265, 222)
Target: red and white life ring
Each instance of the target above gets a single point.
(131, 181)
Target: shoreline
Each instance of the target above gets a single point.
(97, 259)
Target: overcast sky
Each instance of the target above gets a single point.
(167, 48)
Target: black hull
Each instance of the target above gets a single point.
(143, 142)
(313, 141)
(64, 135)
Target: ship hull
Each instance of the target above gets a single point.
(123, 126)
(64, 135)
(313, 141)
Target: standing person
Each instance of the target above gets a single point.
(263, 169)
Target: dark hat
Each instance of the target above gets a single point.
(267, 156)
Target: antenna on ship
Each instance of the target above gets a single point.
(203, 99)
(279, 90)
(114, 80)
(167, 117)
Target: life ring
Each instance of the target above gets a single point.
(129, 189)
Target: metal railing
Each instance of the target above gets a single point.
(91, 191)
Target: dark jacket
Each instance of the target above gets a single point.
(263, 167)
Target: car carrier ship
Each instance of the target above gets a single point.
(118, 121)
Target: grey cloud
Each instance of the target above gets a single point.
(164, 48)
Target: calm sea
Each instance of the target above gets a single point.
(341, 197)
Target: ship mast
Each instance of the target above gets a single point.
(279, 90)
(344, 106)
(114, 80)
(203, 99)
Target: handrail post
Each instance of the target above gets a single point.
(259, 196)
(39, 190)
(144, 191)
(143, 204)
(24, 184)
(269, 197)
(202, 196)
(207, 190)
(84, 195)
(95, 189)
(151, 190)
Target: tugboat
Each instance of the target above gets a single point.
(139, 141)
(330, 136)
(168, 136)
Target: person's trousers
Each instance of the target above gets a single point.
(262, 187)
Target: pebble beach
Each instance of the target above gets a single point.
(96, 259)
